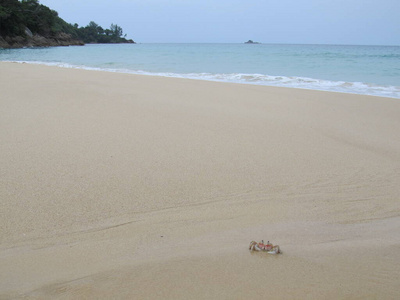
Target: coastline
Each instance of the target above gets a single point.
(334, 74)
(152, 187)
(264, 80)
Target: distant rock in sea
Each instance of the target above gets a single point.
(251, 42)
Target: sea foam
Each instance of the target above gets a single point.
(256, 79)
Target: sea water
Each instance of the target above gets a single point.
(368, 70)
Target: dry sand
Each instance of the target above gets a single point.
(134, 187)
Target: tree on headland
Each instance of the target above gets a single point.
(16, 16)
(116, 31)
(93, 33)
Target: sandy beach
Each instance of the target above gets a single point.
(119, 186)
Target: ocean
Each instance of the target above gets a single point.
(367, 70)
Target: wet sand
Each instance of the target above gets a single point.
(137, 187)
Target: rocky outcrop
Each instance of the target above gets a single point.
(251, 42)
(30, 40)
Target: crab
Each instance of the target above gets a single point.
(268, 247)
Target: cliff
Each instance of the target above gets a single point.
(60, 39)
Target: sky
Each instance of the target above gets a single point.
(351, 22)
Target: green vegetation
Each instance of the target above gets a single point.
(93, 33)
(18, 16)
(15, 16)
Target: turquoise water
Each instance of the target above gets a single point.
(370, 70)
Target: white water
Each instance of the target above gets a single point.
(368, 70)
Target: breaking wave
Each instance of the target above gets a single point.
(259, 79)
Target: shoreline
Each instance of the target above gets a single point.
(130, 186)
(215, 78)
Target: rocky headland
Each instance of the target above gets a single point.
(31, 24)
(36, 40)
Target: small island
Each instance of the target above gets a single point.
(31, 24)
(251, 42)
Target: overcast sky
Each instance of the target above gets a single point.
(366, 22)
